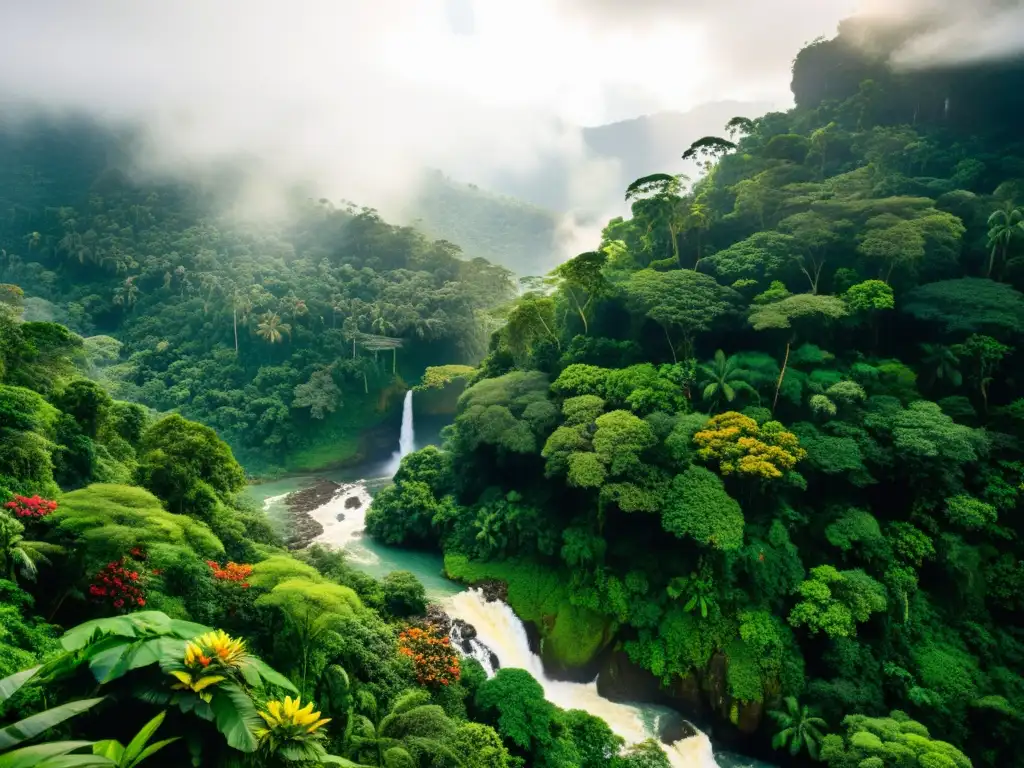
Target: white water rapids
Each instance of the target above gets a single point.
(499, 631)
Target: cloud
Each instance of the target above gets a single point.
(354, 98)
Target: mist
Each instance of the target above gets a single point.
(944, 33)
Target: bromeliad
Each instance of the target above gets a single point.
(215, 648)
(288, 721)
(196, 683)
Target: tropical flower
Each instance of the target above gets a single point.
(196, 683)
(31, 506)
(216, 647)
(232, 572)
(120, 584)
(432, 655)
(289, 721)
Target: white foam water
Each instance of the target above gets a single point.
(500, 630)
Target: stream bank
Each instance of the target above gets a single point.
(491, 624)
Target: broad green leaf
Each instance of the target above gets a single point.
(32, 726)
(134, 625)
(77, 761)
(252, 677)
(335, 760)
(109, 748)
(138, 743)
(10, 685)
(153, 748)
(235, 717)
(186, 630)
(271, 675)
(34, 756)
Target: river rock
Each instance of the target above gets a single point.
(301, 528)
(438, 618)
(493, 590)
(352, 502)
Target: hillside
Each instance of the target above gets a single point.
(760, 453)
(517, 235)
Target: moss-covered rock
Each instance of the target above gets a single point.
(571, 637)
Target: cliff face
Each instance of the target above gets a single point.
(702, 697)
(976, 99)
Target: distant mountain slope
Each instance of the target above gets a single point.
(653, 143)
(628, 150)
(516, 234)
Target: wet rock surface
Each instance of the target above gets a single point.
(352, 502)
(493, 590)
(303, 529)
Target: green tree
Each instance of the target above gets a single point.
(697, 506)
(722, 380)
(19, 555)
(271, 329)
(1005, 225)
(188, 466)
(985, 355)
(583, 281)
(320, 394)
(404, 594)
(682, 302)
(940, 363)
(799, 729)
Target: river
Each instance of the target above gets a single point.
(497, 626)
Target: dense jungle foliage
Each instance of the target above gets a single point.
(291, 341)
(765, 441)
(149, 613)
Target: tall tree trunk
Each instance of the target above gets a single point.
(671, 346)
(782, 375)
(234, 320)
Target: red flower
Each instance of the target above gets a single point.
(31, 507)
(118, 585)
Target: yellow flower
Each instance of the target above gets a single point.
(197, 684)
(216, 646)
(289, 719)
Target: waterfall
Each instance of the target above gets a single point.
(500, 630)
(406, 438)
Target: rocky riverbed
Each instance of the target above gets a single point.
(302, 528)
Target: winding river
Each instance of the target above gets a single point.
(497, 626)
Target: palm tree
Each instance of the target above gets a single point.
(797, 728)
(31, 727)
(722, 379)
(941, 362)
(698, 219)
(18, 555)
(1004, 225)
(241, 305)
(270, 328)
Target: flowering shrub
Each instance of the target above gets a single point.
(232, 572)
(120, 584)
(31, 506)
(433, 656)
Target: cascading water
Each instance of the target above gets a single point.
(500, 631)
(406, 438)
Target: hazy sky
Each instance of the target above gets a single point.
(359, 94)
